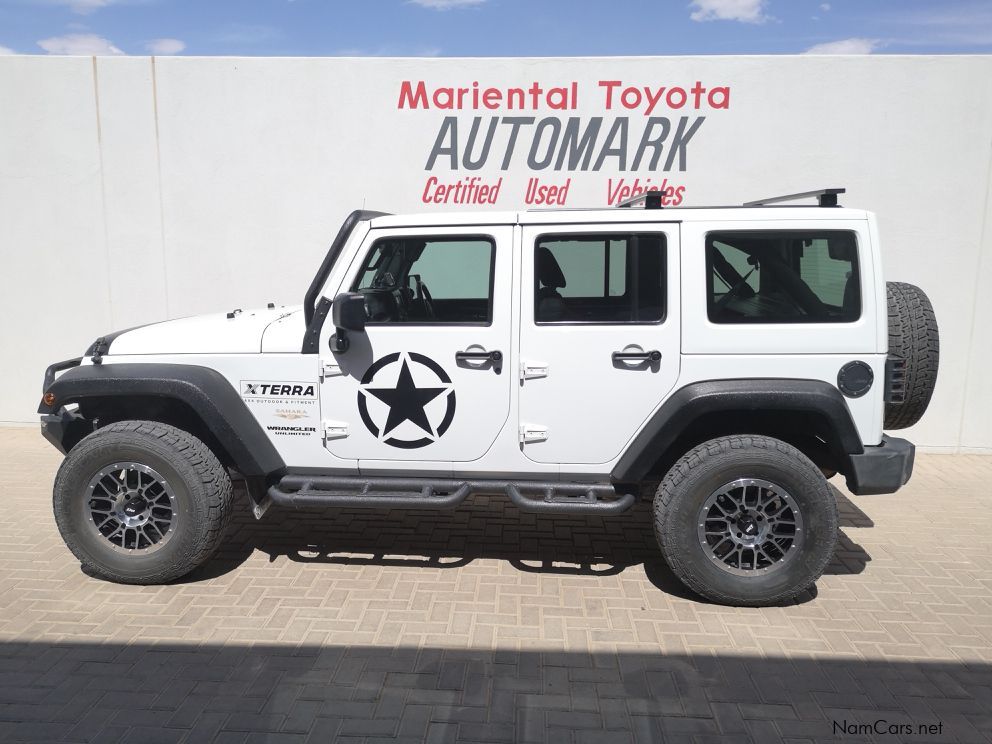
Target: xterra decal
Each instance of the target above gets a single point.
(255, 389)
(402, 411)
(275, 404)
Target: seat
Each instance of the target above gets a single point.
(550, 305)
(852, 297)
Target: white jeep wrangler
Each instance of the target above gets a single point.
(729, 359)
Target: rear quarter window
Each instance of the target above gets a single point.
(794, 276)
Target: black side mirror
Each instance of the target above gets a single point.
(348, 313)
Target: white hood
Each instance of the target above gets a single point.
(215, 333)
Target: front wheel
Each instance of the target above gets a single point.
(746, 520)
(139, 502)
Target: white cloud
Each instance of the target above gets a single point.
(247, 33)
(745, 11)
(83, 7)
(390, 51)
(965, 24)
(6, 50)
(846, 46)
(825, 7)
(165, 46)
(85, 44)
(446, 4)
(87, 6)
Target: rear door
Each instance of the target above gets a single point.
(599, 336)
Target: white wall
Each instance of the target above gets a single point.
(135, 189)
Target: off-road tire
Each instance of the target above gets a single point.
(203, 498)
(704, 470)
(914, 339)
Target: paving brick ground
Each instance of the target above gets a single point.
(488, 625)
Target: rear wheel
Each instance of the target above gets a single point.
(746, 520)
(141, 502)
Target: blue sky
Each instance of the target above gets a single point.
(494, 27)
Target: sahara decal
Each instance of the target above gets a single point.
(406, 400)
(289, 414)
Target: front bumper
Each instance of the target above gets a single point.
(881, 469)
(64, 428)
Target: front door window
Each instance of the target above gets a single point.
(427, 280)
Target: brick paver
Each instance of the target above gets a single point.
(488, 625)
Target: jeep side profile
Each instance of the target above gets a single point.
(726, 359)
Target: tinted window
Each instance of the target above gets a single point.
(429, 280)
(783, 277)
(600, 278)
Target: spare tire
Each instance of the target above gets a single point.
(914, 354)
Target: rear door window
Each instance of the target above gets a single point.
(600, 278)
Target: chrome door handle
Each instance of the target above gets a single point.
(637, 356)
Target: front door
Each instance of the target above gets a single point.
(599, 336)
(426, 380)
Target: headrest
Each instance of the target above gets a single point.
(549, 273)
(842, 248)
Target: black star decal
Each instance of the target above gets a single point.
(406, 401)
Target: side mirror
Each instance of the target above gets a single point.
(348, 311)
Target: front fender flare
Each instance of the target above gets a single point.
(204, 390)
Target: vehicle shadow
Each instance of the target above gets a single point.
(484, 527)
(147, 690)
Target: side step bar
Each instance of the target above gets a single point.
(423, 493)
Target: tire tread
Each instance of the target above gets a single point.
(215, 487)
(672, 488)
(913, 337)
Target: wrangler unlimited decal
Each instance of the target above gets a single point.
(292, 431)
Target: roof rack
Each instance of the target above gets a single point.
(824, 198)
(651, 199)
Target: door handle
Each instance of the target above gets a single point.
(637, 356)
(479, 356)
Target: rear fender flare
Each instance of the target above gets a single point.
(712, 396)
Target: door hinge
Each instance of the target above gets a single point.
(329, 368)
(530, 370)
(530, 433)
(335, 430)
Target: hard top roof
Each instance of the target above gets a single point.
(614, 215)
(650, 210)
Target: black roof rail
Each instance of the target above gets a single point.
(824, 198)
(651, 199)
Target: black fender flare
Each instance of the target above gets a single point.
(204, 390)
(687, 404)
